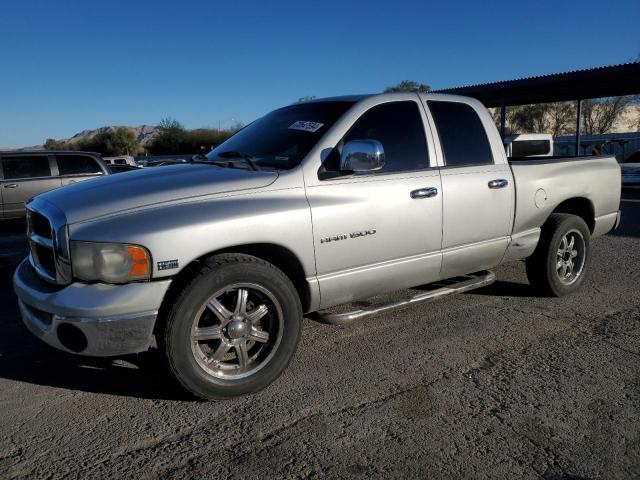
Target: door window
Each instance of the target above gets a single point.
(398, 127)
(462, 136)
(26, 167)
(77, 165)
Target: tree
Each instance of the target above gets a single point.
(170, 138)
(556, 118)
(174, 139)
(118, 141)
(600, 115)
(562, 118)
(528, 119)
(53, 144)
(408, 86)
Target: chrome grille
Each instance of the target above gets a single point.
(40, 225)
(46, 232)
(40, 235)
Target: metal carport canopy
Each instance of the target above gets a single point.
(609, 81)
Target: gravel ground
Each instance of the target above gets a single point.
(496, 383)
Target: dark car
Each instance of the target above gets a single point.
(119, 168)
(631, 170)
(633, 158)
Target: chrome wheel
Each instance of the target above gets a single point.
(570, 257)
(237, 331)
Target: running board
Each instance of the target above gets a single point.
(439, 289)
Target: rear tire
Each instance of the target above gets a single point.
(560, 262)
(233, 329)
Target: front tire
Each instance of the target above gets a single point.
(233, 329)
(560, 262)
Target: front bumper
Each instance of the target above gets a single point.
(89, 319)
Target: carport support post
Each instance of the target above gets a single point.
(578, 114)
(503, 114)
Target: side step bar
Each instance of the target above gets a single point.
(436, 290)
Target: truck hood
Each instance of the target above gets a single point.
(157, 185)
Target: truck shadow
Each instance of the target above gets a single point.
(138, 376)
(501, 288)
(24, 358)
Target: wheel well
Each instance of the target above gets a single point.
(277, 255)
(282, 258)
(580, 207)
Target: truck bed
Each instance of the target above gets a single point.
(543, 183)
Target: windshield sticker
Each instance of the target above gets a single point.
(306, 126)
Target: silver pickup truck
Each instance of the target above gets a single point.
(312, 206)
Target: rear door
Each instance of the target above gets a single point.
(477, 191)
(374, 232)
(25, 176)
(77, 167)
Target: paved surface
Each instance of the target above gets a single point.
(497, 383)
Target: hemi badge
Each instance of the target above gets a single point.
(168, 264)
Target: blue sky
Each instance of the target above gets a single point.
(70, 65)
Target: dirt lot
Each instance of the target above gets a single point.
(496, 383)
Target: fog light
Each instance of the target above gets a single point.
(71, 337)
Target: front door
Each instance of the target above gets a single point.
(379, 231)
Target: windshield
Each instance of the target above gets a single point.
(282, 138)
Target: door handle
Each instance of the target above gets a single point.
(11, 185)
(424, 192)
(499, 183)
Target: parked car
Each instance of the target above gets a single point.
(164, 163)
(122, 168)
(24, 174)
(314, 205)
(631, 171)
(529, 145)
(121, 160)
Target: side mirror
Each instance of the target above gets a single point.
(362, 156)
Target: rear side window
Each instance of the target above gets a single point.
(526, 148)
(398, 127)
(462, 135)
(77, 165)
(26, 167)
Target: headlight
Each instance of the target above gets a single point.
(109, 262)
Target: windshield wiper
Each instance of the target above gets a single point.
(217, 163)
(248, 159)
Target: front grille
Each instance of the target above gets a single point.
(40, 225)
(48, 242)
(40, 233)
(46, 259)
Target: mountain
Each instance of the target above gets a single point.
(144, 133)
